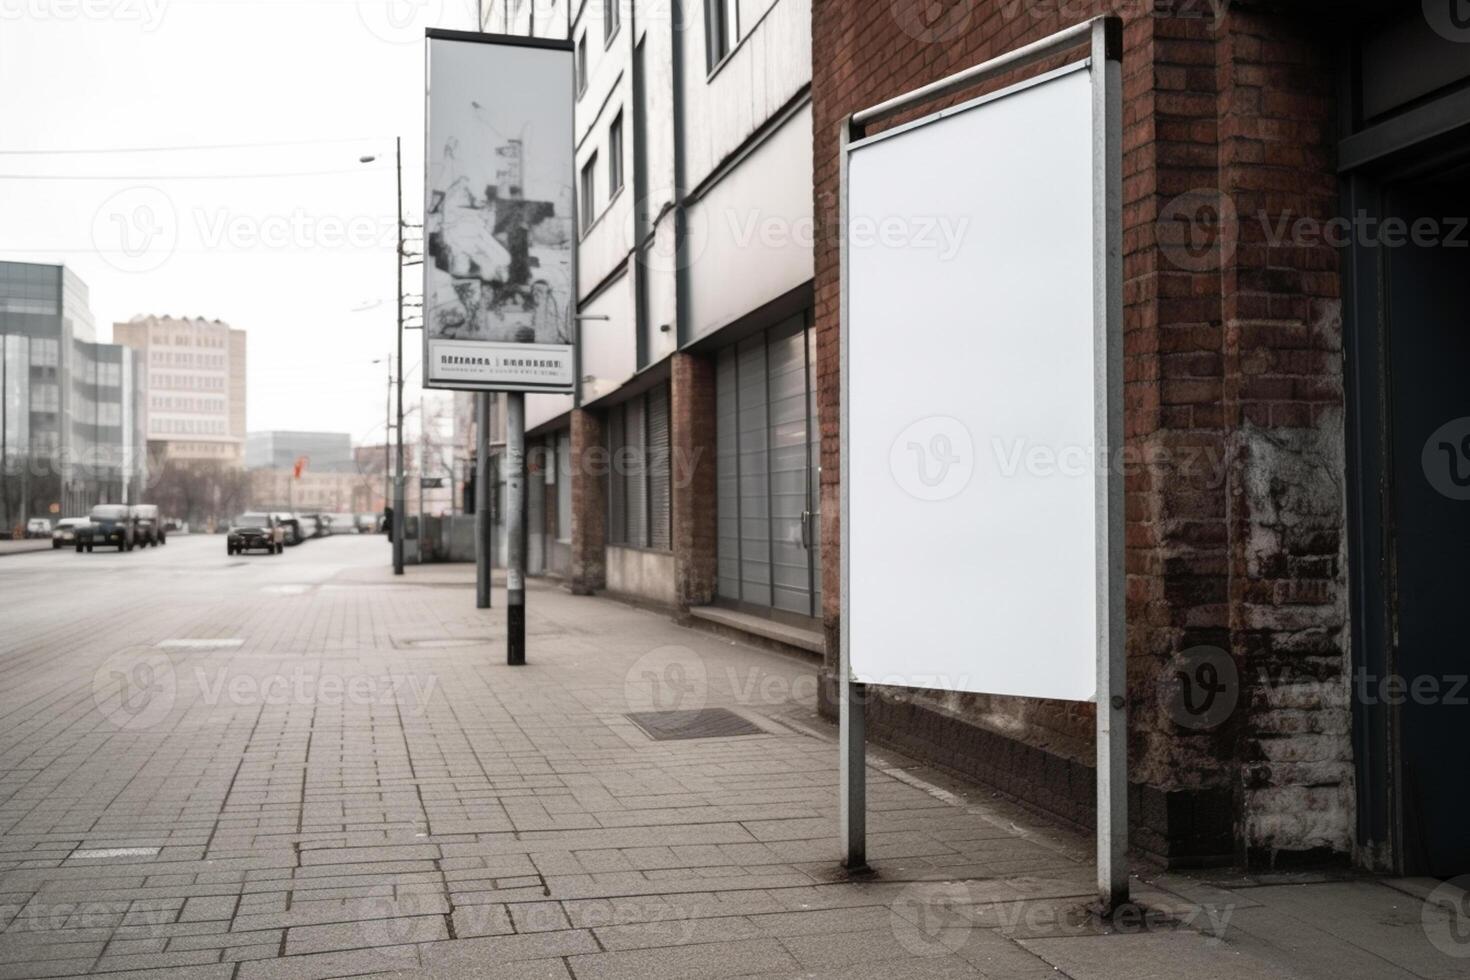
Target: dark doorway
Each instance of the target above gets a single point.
(1408, 353)
(1427, 293)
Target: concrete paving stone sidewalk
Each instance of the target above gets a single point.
(342, 778)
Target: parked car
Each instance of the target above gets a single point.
(66, 531)
(255, 532)
(108, 525)
(38, 527)
(290, 526)
(342, 523)
(148, 526)
(313, 525)
(366, 523)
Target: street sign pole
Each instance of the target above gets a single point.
(515, 527)
(483, 524)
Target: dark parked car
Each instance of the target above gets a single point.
(291, 525)
(108, 526)
(147, 525)
(255, 532)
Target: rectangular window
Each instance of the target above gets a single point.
(609, 19)
(589, 192)
(721, 30)
(638, 491)
(581, 66)
(615, 157)
(564, 487)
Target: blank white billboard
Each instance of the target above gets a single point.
(973, 398)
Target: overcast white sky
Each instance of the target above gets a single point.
(287, 258)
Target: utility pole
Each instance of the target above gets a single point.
(388, 438)
(484, 527)
(400, 517)
(515, 527)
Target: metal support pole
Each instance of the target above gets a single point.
(852, 774)
(1107, 223)
(484, 528)
(515, 527)
(400, 513)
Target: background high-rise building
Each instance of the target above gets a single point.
(326, 452)
(71, 409)
(196, 386)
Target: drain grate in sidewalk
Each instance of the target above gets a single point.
(667, 726)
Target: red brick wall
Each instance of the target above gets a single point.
(692, 477)
(1233, 387)
(589, 503)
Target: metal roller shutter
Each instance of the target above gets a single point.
(660, 502)
(632, 466)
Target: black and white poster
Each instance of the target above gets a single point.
(499, 221)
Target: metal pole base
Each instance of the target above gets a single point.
(515, 650)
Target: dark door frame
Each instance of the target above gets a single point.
(1372, 565)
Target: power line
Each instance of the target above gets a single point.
(73, 151)
(299, 173)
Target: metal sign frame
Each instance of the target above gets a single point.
(574, 354)
(1102, 37)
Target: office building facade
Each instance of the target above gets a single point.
(196, 371)
(72, 408)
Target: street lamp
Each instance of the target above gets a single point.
(398, 515)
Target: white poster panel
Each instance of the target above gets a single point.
(973, 398)
(499, 215)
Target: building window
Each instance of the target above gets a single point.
(639, 487)
(564, 486)
(609, 20)
(589, 190)
(581, 66)
(720, 30)
(615, 157)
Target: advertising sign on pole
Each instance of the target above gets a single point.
(499, 214)
(982, 405)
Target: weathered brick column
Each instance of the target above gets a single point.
(589, 503)
(692, 473)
